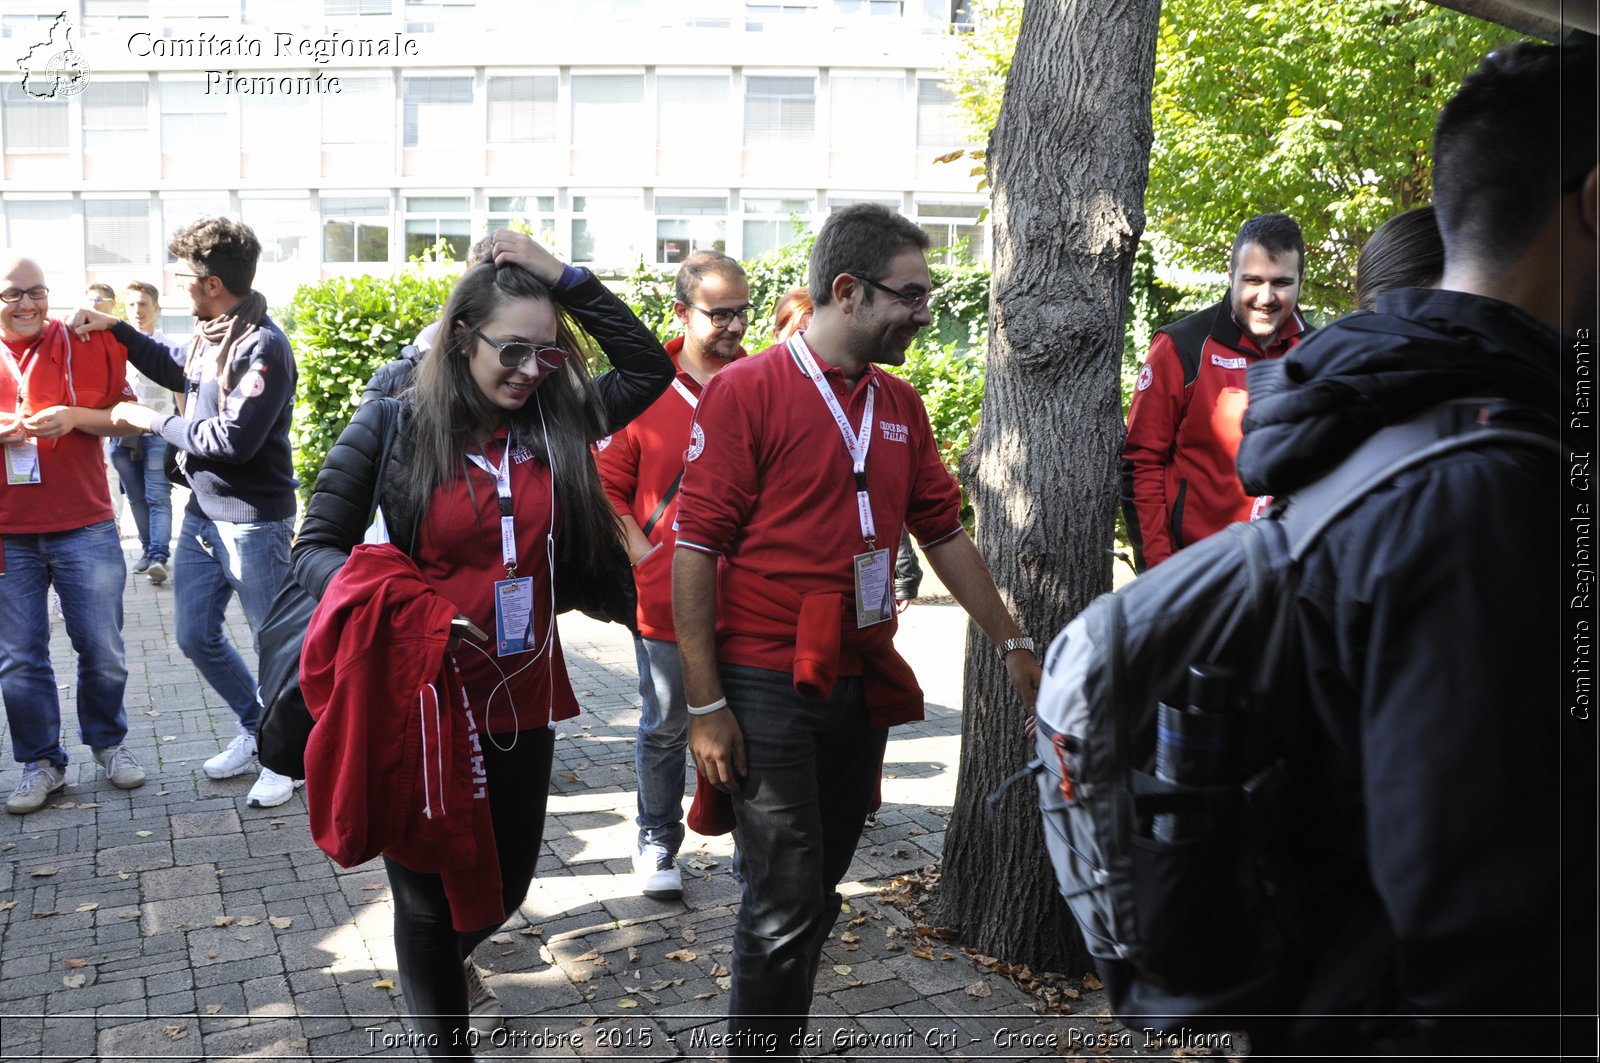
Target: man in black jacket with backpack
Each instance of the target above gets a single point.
(1442, 763)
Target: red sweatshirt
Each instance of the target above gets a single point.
(394, 764)
(61, 370)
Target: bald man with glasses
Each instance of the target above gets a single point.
(640, 467)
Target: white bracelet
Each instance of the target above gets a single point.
(706, 710)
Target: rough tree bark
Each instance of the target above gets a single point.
(1068, 162)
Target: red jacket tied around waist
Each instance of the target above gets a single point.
(393, 764)
(827, 644)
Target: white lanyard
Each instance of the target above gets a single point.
(502, 488)
(15, 369)
(857, 443)
(688, 396)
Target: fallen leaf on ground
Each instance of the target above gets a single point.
(212, 1009)
(701, 865)
(651, 997)
(661, 983)
(683, 956)
(372, 886)
(687, 935)
(1090, 982)
(718, 970)
(43, 915)
(250, 920)
(6, 906)
(948, 956)
(75, 964)
(627, 1002)
(894, 946)
(578, 977)
(169, 738)
(123, 875)
(75, 981)
(7, 847)
(501, 939)
(211, 955)
(705, 996)
(144, 833)
(567, 775)
(383, 983)
(282, 922)
(177, 1033)
(531, 931)
(979, 991)
(841, 969)
(922, 954)
(725, 983)
(225, 920)
(849, 939)
(87, 906)
(46, 872)
(592, 954)
(152, 712)
(633, 955)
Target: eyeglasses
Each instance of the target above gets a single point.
(14, 295)
(193, 276)
(515, 352)
(723, 317)
(913, 300)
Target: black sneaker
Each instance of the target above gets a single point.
(142, 565)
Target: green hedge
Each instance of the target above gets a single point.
(342, 330)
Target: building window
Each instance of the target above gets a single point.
(116, 232)
(952, 228)
(938, 125)
(603, 105)
(868, 8)
(538, 213)
(863, 109)
(35, 226)
(430, 219)
(180, 210)
(758, 17)
(437, 110)
(685, 224)
(357, 8)
(272, 124)
(116, 119)
(191, 121)
(33, 126)
(605, 229)
(103, 16)
(779, 111)
(522, 110)
(770, 224)
(362, 112)
(689, 108)
(355, 229)
(282, 225)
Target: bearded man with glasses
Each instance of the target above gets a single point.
(57, 529)
(641, 467)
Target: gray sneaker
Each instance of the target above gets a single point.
(157, 572)
(484, 1012)
(123, 771)
(39, 781)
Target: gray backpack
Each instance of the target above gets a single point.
(1196, 929)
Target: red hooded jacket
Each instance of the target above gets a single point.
(393, 764)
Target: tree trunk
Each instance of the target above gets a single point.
(1067, 164)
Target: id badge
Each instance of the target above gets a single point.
(22, 463)
(513, 616)
(874, 588)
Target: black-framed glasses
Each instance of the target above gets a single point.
(38, 294)
(516, 352)
(912, 300)
(722, 317)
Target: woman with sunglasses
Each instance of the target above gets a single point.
(493, 436)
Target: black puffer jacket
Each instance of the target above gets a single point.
(1429, 624)
(338, 513)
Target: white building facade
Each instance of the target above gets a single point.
(353, 134)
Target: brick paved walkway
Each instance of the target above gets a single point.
(174, 922)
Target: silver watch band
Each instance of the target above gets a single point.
(1023, 643)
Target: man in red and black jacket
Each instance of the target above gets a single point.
(641, 466)
(1179, 483)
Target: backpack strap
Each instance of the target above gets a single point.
(1387, 453)
(661, 507)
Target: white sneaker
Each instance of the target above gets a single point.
(659, 878)
(237, 759)
(272, 789)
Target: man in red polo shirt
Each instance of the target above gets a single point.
(804, 464)
(641, 466)
(57, 530)
(1179, 479)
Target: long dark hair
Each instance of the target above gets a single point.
(450, 413)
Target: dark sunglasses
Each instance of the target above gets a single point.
(515, 353)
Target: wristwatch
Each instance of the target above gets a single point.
(1023, 643)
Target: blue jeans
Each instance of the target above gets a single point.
(813, 767)
(215, 560)
(85, 566)
(659, 756)
(149, 492)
